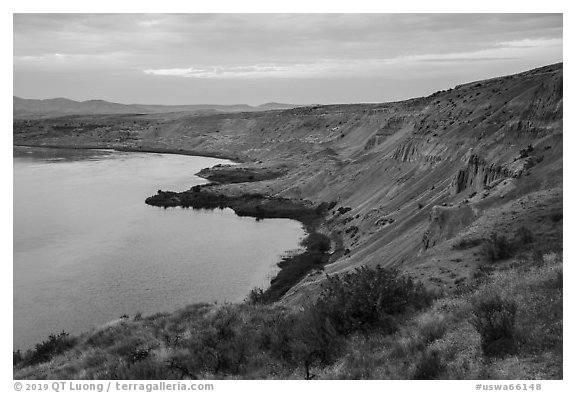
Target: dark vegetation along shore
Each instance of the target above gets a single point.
(434, 247)
(293, 267)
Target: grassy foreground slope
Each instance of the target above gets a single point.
(462, 190)
(506, 324)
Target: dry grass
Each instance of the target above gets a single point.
(441, 341)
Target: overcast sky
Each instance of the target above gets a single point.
(258, 58)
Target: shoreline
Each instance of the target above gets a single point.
(293, 267)
(236, 160)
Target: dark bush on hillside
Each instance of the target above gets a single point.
(223, 346)
(526, 151)
(524, 235)
(494, 319)
(498, 248)
(557, 282)
(46, 350)
(317, 242)
(344, 210)
(430, 365)
(17, 357)
(295, 267)
(257, 296)
(315, 340)
(240, 339)
(369, 298)
(483, 272)
(325, 206)
(465, 244)
(557, 217)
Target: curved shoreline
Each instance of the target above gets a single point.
(292, 268)
(180, 152)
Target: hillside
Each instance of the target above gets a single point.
(440, 187)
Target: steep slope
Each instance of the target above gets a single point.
(479, 159)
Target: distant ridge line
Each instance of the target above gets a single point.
(61, 106)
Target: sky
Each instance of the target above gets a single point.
(259, 58)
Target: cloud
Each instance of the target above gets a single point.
(222, 49)
(533, 43)
(149, 23)
(175, 41)
(350, 68)
(70, 61)
(251, 71)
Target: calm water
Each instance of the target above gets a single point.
(87, 249)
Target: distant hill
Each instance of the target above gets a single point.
(54, 107)
(270, 106)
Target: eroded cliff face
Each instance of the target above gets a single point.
(415, 174)
(477, 174)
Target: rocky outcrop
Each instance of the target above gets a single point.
(477, 174)
(445, 222)
(406, 152)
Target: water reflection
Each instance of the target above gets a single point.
(87, 249)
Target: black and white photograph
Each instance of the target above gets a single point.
(287, 196)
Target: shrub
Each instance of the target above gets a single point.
(295, 267)
(315, 340)
(46, 350)
(526, 151)
(17, 357)
(325, 206)
(557, 217)
(220, 345)
(139, 354)
(257, 296)
(368, 298)
(494, 317)
(317, 242)
(431, 327)
(498, 248)
(430, 365)
(557, 282)
(465, 244)
(524, 235)
(483, 272)
(344, 210)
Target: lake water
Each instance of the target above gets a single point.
(87, 249)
